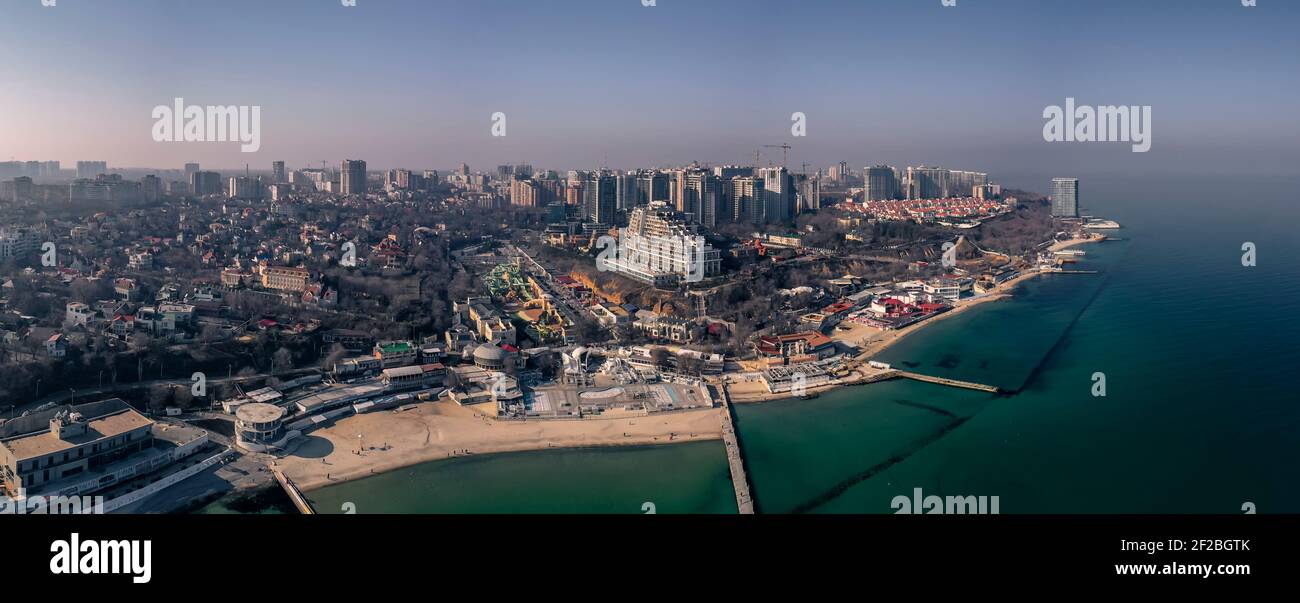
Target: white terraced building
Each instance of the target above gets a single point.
(660, 248)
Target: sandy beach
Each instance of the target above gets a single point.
(440, 430)
(871, 341)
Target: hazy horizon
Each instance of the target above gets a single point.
(611, 83)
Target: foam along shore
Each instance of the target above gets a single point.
(440, 430)
(871, 341)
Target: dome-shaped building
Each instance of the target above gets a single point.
(490, 357)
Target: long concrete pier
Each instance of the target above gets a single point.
(736, 461)
(294, 493)
(949, 382)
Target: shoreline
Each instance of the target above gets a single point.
(882, 340)
(441, 430)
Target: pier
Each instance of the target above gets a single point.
(736, 462)
(949, 382)
(294, 493)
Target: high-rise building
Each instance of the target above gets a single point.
(810, 192)
(205, 183)
(90, 169)
(652, 186)
(703, 194)
(151, 188)
(22, 188)
(879, 183)
(277, 172)
(190, 168)
(353, 175)
(927, 183)
(524, 192)
(963, 183)
(600, 198)
(727, 172)
(778, 195)
(744, 199)
(1065, 197)
(626, 191)
(244, 187)
(400, 180)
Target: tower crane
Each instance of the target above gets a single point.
(785, 151)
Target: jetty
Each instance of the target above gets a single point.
(945, 381)
(294, 493)
(735, 460)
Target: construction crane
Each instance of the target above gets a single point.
(785, 151)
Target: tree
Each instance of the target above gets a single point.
(283, 359)
(337, 353)
(159, 396)
(660, 357)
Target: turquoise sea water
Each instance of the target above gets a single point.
(678, 478)
(1200, 412)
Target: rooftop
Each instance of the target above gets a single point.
(36, 444)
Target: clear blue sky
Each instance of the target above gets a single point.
(413, 83)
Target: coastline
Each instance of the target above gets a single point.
(876, 341)
(440, 430)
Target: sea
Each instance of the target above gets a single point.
(1158, 383)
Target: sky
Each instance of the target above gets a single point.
(612, 83)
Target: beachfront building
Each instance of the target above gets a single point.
(795, 348)
(77, 450)
(796, 378)
(949, 289)
(414, 377)
(260, 427)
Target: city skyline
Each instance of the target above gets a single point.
(430, 77)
